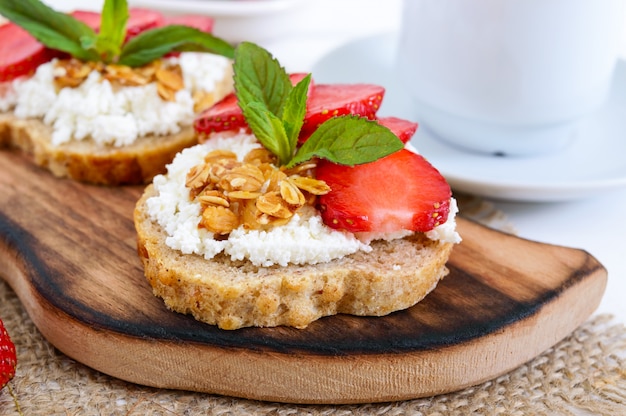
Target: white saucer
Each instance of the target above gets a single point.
(594, 163)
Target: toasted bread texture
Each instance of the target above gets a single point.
(395, 275)
(87, 161)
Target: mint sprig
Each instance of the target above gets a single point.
(65, 33)
(155, 43)
(275, 109)
(348, 140)
(112, 32)
(259, 77)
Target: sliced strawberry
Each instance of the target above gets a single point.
(8, 358)
(203, 23)
(330, 100)
(402, 191)
(402, 128)
(226, 115)
(223, 116)
(20, 53)
(325, 101)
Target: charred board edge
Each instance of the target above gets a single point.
(317, 379)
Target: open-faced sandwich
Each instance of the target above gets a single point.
(106, 98)
(298, 203)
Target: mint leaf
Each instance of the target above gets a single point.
(154, 43)
(275, 110)
(348, 140)
(53, 29)
(259, 77)
(268, 130)
(294, 112)
(112, 29)
(272, 107)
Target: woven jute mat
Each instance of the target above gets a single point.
(585, 374)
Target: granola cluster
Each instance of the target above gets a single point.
(168, 78)
(253, 192)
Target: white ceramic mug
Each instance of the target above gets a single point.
(508, 76)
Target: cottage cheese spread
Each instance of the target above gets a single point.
(304, 240)
(112, 116)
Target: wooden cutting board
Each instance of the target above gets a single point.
(68, 250)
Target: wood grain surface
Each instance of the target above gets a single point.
(68, 250)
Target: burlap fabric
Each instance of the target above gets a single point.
(584, 374)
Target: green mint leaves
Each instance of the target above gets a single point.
(155, 43)
(109, 41)
(63, 32)
(275, 109)
(349, 140)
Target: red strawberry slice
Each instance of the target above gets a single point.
(402, 191)
(20, 53)
(404, 129)
(325, 101)
(223, 116)
(330, 100)
(8, 358)
(203, 23)
(226, 115)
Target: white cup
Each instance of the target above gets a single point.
(509, 77)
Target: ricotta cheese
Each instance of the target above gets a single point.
(304, 240)
(113, 116)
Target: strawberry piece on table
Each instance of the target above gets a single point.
(226, 115)
(400, 191)
(8, 358)
(330, 100)
(203, 23)
(402, 128)
(20, 53)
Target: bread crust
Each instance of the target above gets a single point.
(235, 294)
(87, 161)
